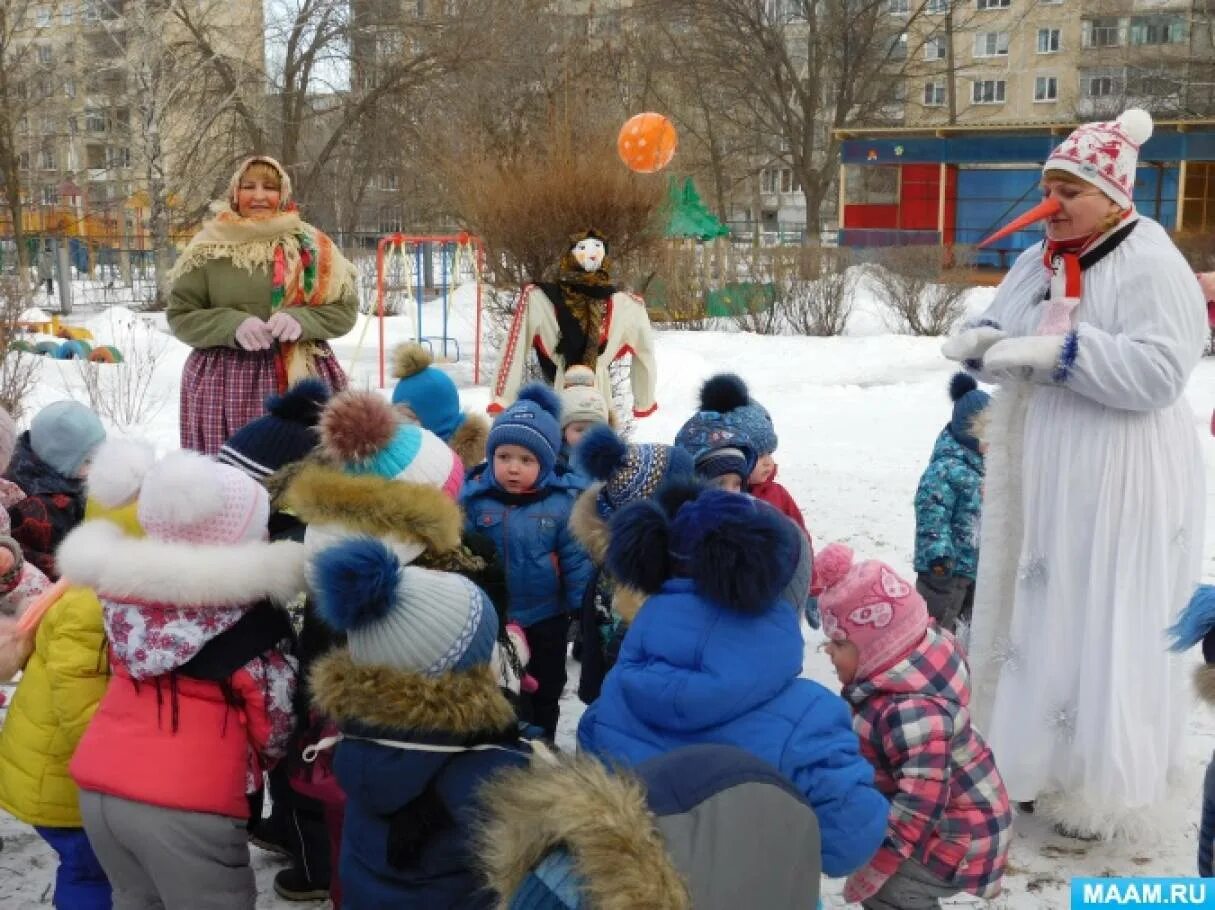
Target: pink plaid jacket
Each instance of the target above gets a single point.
(948, 806)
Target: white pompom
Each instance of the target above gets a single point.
(183, 488)
(1137, 124)
(118, 470)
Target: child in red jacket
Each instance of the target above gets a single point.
(199, 703)
(907, 681)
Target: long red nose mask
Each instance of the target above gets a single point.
(1040, 212)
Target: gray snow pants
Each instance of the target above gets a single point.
(912, 887)
(166, 858)
(949, 599)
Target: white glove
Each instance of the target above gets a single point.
(254, 335)
(972, 344)
(1036, 353)
(284, 326)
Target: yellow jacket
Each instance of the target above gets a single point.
(62, 684)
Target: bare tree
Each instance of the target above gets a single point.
(338, 66)
(15, 54)
(789, 71)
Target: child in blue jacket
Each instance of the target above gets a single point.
(948, 504)
(716, 657)
(523, 505)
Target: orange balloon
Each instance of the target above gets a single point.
(647, 142)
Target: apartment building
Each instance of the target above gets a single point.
(1031, 61)
(80, 139)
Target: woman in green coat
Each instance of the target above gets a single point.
(257, 294)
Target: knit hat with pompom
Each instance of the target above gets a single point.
(1105, 155)
(188, 498)
(629, 471)
(531, 422)
(361, 432)
(402, 617)
(284, 435)
(426, 390)
(869, 605)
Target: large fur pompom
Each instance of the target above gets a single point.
(355, 582)
(409, 359)
(542, 395)
(639, 554)
(356, 425)
(724, 392)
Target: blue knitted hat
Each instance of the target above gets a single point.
(968, 401)
(285, 434)
(727, 394)
(532, 422)
(628, 471)
(427, 390)
(65, 435)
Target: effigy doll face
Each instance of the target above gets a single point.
(589, 254)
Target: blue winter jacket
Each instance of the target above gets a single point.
(947, 508)
(395, 794)
(692, 672)
(546, 568)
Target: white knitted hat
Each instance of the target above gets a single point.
(188, 498)
(1105, 154)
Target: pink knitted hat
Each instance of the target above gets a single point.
(869, 605)
(188, 498)
(1105, 154)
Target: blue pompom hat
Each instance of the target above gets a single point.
(403, 617)
(629, 471)
(532, 422)
(968, 402)
(426, 390)
(285, 434)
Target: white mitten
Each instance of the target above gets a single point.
(1037, 353)
(972, 344)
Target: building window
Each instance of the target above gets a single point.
(68, 13)
(90, 10)
(69, 88)
(934, 94)
(936, 6)
(898, 7)
(779, 11)
(1102, 32)
(1101, 86)
(898, 47)
(50, 195)
(1048, 40)
(118, 157)
(993, 4)
(391, 182)
(94, 120)
(1157, 30)
(391, 221)
(1046, 88)
(43, 17)
(23, 161)
(991, 44)
(46, 159)
(934, 49)
(988, 91)
(45, 56)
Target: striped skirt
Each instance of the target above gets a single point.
(222, 389)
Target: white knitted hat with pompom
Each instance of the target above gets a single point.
(1105, 154)
(188, 498)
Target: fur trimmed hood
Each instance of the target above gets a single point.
(605, 823)
(460, 703)
(590, 530)
(469, 439)
(376, 506)
(101, 556)
(588, 526)
(1204, 682)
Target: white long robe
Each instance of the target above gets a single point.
(1091, 540)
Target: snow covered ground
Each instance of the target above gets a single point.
(857, 417)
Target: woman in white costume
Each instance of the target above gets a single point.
(1094, 501)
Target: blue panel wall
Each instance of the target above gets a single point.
(988, 199)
